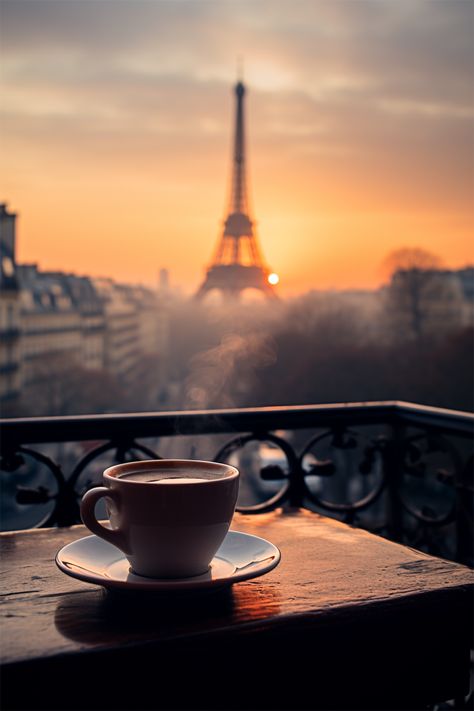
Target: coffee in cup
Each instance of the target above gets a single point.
(169, 516)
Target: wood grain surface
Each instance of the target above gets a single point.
(332, 580)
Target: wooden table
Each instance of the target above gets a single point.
(347, 620)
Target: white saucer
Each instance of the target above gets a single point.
(240, 557)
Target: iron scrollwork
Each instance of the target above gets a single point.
(429, 489)
(288, 473)
(342, 461)
(67, 493)
(412, 481)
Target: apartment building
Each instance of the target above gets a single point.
(152, 318)
(89, 306)
(10, 383)
(51, 328)
(55, 326)
(121, 334)
(432, 301)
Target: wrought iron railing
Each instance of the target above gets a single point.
(401, 470)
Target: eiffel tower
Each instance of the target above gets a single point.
(237, 262)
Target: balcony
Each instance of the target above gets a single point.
(8, 367)
(9, 334)
(400, 470)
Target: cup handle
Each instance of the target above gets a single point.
(89, 500)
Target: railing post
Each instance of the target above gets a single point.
(465, 514)
(296, 485)
(392, 458)
(66, 510)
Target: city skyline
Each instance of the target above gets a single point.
(117, 134)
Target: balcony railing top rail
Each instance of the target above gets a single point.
(34, 430)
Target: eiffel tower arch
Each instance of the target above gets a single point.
(237, 263)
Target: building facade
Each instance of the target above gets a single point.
(50, 325)
(10, 382)
(121, 333)
(431, 301)
(60, 331)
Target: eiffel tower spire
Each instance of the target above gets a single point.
(237, 262)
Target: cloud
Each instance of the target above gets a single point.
(391, 40)
(97, 26)
(348, 99)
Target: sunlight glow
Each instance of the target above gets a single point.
(341, 171)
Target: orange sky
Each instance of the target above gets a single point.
(117, 122)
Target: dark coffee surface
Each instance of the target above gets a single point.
(170, 476)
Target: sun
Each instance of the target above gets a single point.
(273, 278)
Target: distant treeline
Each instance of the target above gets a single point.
(324, 348)
(412, 340)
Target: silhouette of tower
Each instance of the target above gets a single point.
(237, 262)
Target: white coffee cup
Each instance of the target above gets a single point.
(169, 516)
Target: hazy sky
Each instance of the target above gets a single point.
(117, 121)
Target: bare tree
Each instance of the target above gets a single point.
(62, 387)
(411, 258)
